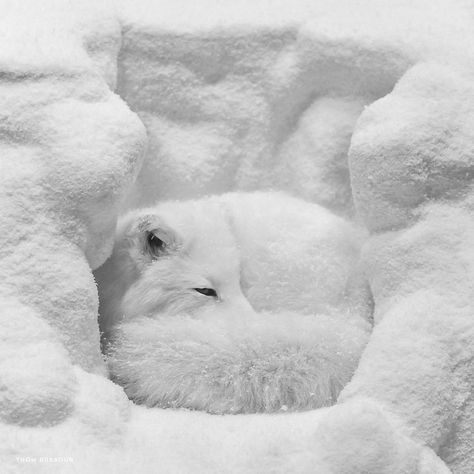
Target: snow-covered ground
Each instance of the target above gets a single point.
(364, 107)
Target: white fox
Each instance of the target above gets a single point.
(232, 304)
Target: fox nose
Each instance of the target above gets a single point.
(240, 304)
(244, 305)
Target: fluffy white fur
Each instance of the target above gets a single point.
(236, 365)
(278, 335)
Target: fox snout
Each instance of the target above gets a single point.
(238, 304)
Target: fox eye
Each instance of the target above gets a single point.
(155, 244)
(206, 292)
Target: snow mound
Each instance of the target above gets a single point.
(412, 166)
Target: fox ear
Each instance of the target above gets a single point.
(158, 242)
(149, 237)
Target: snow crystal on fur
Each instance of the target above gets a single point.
(264, 363)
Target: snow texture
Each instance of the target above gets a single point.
(231, 95)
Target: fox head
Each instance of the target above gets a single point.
(176, 258)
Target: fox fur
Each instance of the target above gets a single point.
(274, 330)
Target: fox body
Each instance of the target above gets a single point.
(232, 304)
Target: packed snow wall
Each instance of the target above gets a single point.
(363, 107)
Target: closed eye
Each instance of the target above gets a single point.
(206, 292)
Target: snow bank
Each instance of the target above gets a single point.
(231, 93)
(70, 148)
(412, 167)
(236, 97)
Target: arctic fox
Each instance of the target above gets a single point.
(232, 304)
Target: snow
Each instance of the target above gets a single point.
(230, 98)
(230, 94)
